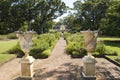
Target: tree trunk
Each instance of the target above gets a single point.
(42, 27)
(29, 26)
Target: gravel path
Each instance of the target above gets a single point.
(60, 66)
(9, 69)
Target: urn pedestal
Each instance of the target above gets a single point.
(25, 40)
(90, 42)
(88, 68)
(27, 67)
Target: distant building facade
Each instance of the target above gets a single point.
(61, 28)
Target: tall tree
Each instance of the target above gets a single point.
(26, 10)
(8, 22)
(90, 12)
(110, 24)
(50, 9)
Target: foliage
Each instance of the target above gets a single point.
(75, 45)
(101, 49)
(90, 12)
(15, 12)
(112, 44)
(42, 46)
(8, 36)
(16, 50)
(9, 22)
(11, 36)
(71, 22)
(110, 24)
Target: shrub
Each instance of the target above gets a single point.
(75, 45)
(101, 48)
(42, 46)
(1, 37)
(16, 50)
(11, 36)
(45, 53)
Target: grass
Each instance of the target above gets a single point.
(5, 57)
(4, 47)
(113, 57)
(112, 44)
(7, 45)
(109, 38)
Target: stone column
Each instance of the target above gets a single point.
(90, 42)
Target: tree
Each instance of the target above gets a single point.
(50, 9)
(90, 12)
(110, 24)
(71, 21)
(8, 22)
(21, 11)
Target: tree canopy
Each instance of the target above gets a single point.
(95, 14)
(90, 12)
(14, 13)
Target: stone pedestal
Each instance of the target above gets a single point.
(27, 67)
(88, 68)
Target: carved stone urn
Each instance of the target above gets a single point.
(25, 40)
(90, 42)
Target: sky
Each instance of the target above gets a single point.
(68, 3)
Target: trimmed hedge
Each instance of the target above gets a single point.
(75, 46)
(9, 36)
(42, 45)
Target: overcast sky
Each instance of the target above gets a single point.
(68, 3)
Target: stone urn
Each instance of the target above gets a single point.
(25, 40)
(90, 41)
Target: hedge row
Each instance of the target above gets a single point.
(42, 45)
(75, 46)
(9, 36)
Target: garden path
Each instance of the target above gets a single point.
(60, 66)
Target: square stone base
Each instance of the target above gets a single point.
(23, 78)
(84, 77)
(27, 67)
(89, 66)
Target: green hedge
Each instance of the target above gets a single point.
(8, 36)
(42, 45)
(75, 46)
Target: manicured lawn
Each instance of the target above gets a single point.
(112, 44)
(109, 38)
(5, 46)
(5, 57)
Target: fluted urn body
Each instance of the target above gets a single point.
(90, 40)
(25, 40)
